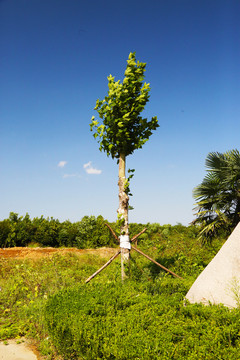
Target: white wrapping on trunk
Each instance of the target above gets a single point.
(124, 242)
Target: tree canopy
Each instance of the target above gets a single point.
(123, 130)
(218, 196)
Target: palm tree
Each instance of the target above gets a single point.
(218, 196)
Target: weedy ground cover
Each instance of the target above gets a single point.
(139, 321)
(143, 318)
(25, 286)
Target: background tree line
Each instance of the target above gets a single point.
(89, 232)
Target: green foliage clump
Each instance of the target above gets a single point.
(93, 233)
(139, 321)
(123, 130)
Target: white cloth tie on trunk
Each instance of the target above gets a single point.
(125, 242)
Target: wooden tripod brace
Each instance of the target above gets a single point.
(133, 240)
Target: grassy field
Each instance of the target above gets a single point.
(46, 299)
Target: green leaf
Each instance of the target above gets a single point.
(120, 110)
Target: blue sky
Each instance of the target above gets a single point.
(55, 59)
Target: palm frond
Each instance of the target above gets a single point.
(215, 161)
(218, 196)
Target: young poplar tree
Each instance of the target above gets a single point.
(122, 130)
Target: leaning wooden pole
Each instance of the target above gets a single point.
(135, 237)
(113, 233)
(103, 267)
(155, 262)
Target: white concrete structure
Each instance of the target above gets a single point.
(219, 283)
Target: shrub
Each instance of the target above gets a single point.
(132, 321)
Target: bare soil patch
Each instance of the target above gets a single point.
(36, 253)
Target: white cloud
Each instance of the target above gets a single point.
(87, 165)
(65, 176)
(61, 164)
(90, 169)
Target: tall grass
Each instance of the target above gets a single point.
(26, 285)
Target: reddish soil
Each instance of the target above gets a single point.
(36, 253)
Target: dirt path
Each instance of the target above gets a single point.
(17, 350)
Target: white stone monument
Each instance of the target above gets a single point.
(219, 283)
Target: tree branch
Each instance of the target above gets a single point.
(113, 233)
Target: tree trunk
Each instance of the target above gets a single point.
(123, 216)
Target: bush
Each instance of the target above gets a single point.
(139, 321)
(92, 233)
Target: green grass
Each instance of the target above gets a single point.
(144, 318)
(139, 321)
(27, 284)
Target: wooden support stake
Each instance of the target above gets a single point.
(103, 267)
(134, 238)
(155, 262)
(113, 233)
